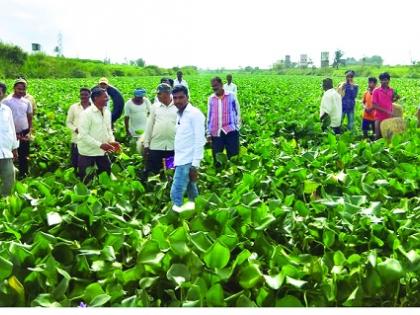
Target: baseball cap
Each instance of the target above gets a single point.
(139, 92)
(20, 80)
(103, 80)
(163, 88)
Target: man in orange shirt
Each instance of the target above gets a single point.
(369, 112)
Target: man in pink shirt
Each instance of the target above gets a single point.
(382, 99)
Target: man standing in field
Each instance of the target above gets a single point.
(72, 123)
(116, 97)
(137, 110)
(189, 150)
(348, 90)
(159, 136)
(29, 97)
(331, 107)
(8, 150)
(179, 80)
(95, 139)
(369, 112)
(223, 121)
(382, 99)
(230, 86)
(22, 117)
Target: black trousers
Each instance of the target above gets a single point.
(102, 162)
(23, 152)
(154, 162)
(229, 141)
(74, 156)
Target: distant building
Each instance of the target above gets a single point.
(287, 61)
(36, 47)
(325, 59)
(303, 61)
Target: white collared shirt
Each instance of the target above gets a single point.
(94, 130)
(21, 108)
(331, 104)
(183, 82)
(8, 140)
(231, 88)
(73, 118)
(190, 137)
(160, 127)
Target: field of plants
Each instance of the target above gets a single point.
(300, 218)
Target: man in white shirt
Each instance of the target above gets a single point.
(95, 138)
(8, 150)
(159, 136)
(72, 122)
(22, 118)
(230, 86)
(189, 149)
(137, 110)
(331, 107)
(179, 80)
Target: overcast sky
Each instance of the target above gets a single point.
(215, 33)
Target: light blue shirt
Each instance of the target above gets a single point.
(189, 137)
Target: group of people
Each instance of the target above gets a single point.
(339, 104)
(171, 131)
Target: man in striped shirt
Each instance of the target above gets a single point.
(223, 121)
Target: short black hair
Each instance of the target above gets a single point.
(85, 89)
(217, 79)
(96, 92)
(373, 80)
(179, 72)
(3, 87)
(328, 83)
(384, 76)
(350, 72)
(164, 80)
(180, 88)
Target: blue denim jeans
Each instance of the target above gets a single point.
(350, 119)
(182, 184)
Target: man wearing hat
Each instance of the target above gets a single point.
(136, 110)
(159, 136)
(116, 97)
(22, 118)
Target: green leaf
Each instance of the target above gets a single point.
(249, 276)
(100, 300)
(214, 296)
(339, 258)
(217, 256)
(6, 268)
(244, 301)
(289, 301)
(274, 282)
(328, 238)
(310, 186)
(92, 290)
(179, 273)
(390, 270)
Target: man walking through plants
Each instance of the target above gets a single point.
(95, 138)
(230, 86)
(382, 99)
(137, 110)
(8, 150)
(223, 121)
(189, 150)
(348, 90)
(369, 112)
(159, 136)
(22, 117)
(331, 108)
(72, 123)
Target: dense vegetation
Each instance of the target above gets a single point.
(15, 62)
(300, 218)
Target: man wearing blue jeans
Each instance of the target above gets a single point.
(348, 91)
(189, 150)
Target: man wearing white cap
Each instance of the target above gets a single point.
(116, 97)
